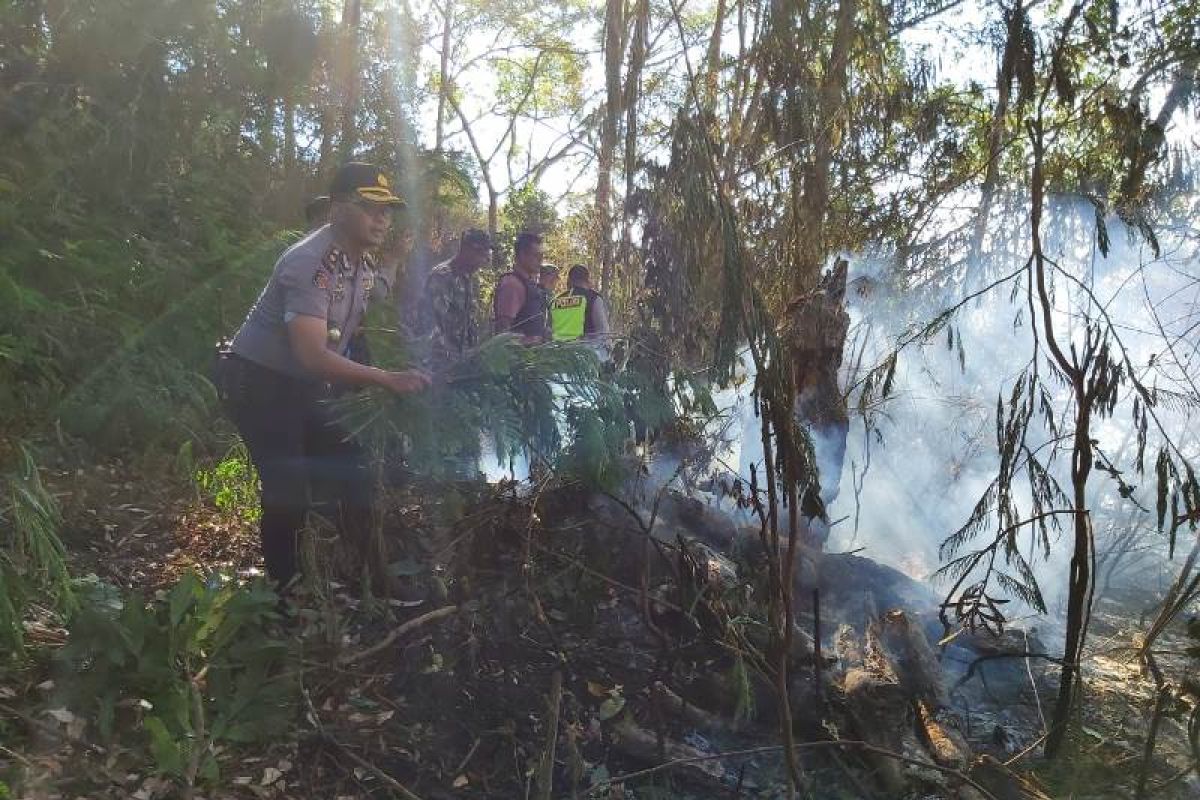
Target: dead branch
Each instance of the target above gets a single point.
(391, 638)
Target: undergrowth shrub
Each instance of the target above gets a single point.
(232, 484)
(32, 558)
(199, 667)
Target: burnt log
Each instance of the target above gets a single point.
(641, 745)
(815, 335)
(895, 695)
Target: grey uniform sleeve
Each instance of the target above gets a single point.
(306, 285)
(600, 318)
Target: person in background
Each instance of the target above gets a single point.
(287, 354)
(548, 279)
(316, 212)
(448, 304)
(580, 312)
(519, 305)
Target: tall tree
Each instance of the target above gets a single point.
(349, 58)
(614, 51)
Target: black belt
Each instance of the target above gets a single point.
(241, 380)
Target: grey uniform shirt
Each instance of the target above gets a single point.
(314, 278)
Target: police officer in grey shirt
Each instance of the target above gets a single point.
(288, 354)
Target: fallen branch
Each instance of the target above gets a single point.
(754, 751)
(390, 639)
(971, 670)
(644, 746)
(672, 703)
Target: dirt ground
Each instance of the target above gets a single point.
(459, 706)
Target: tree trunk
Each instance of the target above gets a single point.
(633, 79)
(348, 56)
(816, 323)
(266, 130)
(331, 58)
(712, 59)
(443, 75)
(289, 139)
(1079, 585)
(613, 50)
(814, 201)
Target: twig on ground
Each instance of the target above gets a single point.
(388, 640)
(467, 758)
(327, 738)
(1034, 745)
(391, 782)
(1037, 696)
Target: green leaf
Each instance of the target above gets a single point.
(611, 707)
(168, 756)
(183, 596)
(210, 770)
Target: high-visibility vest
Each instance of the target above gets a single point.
(568, 316)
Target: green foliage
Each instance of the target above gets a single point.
(526, 209)
(32, 558)
(156, 154)
(202, 662)
(232, 484)
(552, 402)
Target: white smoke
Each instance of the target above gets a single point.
(935, 449)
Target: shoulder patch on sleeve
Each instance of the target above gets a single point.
(333, 259)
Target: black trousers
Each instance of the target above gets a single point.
(305, 460)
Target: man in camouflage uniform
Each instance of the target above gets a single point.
(451, 327)
(451, 292)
